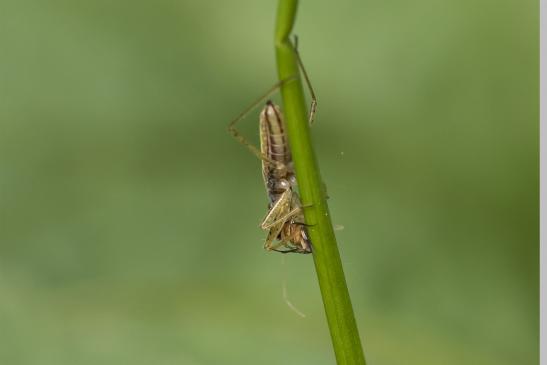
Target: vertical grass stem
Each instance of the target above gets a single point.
(334, 291)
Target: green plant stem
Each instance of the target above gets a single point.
(334, 291)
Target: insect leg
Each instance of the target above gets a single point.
(304, 224)
(283, 242)
(284, 218)
(281, 205)
(235, 133)
(284, 208)
(288, 250)
(313, 105)
(272, 236)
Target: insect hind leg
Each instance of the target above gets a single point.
(313, 106)
(238, 136)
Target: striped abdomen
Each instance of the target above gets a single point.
(277, 171)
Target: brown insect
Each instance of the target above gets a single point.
(285, 219)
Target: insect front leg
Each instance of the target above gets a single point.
(284, 242)
(272, 237)
(280, 207)
(283, 210)
(286, 217)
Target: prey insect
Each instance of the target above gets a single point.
(285, 218)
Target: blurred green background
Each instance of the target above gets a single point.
(129, 217)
